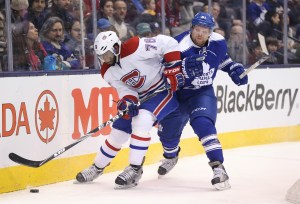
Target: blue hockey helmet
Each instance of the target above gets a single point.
(203, 19)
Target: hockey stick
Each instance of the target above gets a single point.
(255, 65)
(266, 56)
(31, 163)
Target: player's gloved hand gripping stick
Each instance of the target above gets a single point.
(173, 74)
(128, 105)
(31, 163)
(266, 56)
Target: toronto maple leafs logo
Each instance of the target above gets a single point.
(46, 116)
(206, 78)
(134, 79)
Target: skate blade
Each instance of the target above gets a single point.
(120, 187)
(82, 183)
(222, 186)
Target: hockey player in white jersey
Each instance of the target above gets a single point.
(134, 69)
(207, 53)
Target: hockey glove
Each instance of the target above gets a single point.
(129, 105)
(192, 66)
(235, 71)
(173, 74)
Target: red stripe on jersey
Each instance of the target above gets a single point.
(140, 138)
(152, 86)
(163, 103)
(133, 98)
(111, 147)
(172, 56)
(104, 68)
(129, 46)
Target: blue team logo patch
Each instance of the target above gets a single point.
(206, 78)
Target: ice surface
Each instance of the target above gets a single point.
(258, 174)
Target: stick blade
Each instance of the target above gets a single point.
(26, 162)
(262, 43)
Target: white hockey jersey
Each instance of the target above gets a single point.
(138, 71)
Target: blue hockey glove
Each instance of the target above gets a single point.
(129, 104)
(192, 66)
(235, 71)
(173, 74)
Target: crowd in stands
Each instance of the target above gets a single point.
(48, 34)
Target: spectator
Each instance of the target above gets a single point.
(37, 12)
(147, 16)
(156, 29)
(256, 11)
(118, 21)
(60, 9)
(143, 30)
(74, 10)
(186, 15)
(105, 11)
(235, 44)
(273, 49)
(104, 25)
(134, 10)
(255, 52)
(220, 31)
(294, 12)
(28, 52)
(272, 22)
(88, 5)
(19, 10)
(52, 34)
(231, 9)
(291, 36)
(219, 22)
(73, 43)
(274, 5)
(186, 11)
(149, 6)
(137, 5)
(172, 14)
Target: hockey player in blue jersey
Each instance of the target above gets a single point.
(207, 51)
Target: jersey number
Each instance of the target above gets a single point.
(148, 46)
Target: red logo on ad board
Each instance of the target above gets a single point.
(46, 116)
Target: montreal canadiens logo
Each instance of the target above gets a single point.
(46, 116)
(134, 79)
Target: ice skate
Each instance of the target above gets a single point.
(129, 177)
(220, 179)
(167, 165)
(89, 174)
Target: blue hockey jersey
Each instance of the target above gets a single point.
(215, 57)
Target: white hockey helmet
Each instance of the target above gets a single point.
(107, 41)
